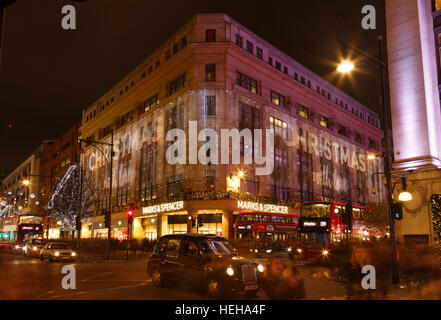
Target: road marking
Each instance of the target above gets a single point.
(96, 276)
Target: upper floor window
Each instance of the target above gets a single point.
(176, 84)
(372, 144)
(126, 118)
(167, 54)
(151, 102)
(250, 48)
(278, 65)
(280, 127)
(278, 99)
(285, 70)
(246, 82)
(210, 35)
(358, 138)
(210, 72)
(259, 53)
(175, 48)
(342, 130)
(183, 42)
(324, 122)
(303, 111)
(210, 105)
(239, 41)
(270, 60)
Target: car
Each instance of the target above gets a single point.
(32, 247)
(57, 251)
(205, 261)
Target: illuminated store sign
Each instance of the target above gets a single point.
(246, 205)
(164, 207)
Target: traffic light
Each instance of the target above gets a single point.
(397, 211)
(130, 217)
(200, 223)
(107, 219)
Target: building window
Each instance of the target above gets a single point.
(65, 162)
(358, 138)
(239, 41)
(210, 72)
(324, 122)
(126, 118)
(250, 47)
(148, 172)
(302, 80)
(259, 53)
(296, 77)
(246, 82)
(278, 99)
(175, 48)
(280, 127)
(285, 70)
(270, 60)
(249, 118)
(157, 64)
(183, 42)
(150, 69)
(250, 184)
(210, 35)
(278, 65)
(342, 130)
(303, 111)
(167, 54)
(175, 118)
(151, 102)
(210, 105)
(176, 85)
(175, 185)
(372, 144)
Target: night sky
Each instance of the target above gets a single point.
(49, 75)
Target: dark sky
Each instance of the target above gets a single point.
(48, 75)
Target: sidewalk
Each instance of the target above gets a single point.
(319, 285)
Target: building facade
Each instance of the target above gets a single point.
(55, 161)
(16, 196)
(413, 32)
(216, 74)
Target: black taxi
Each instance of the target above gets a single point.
(207, 261)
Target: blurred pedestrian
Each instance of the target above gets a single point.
(283, 283)
(352, 273)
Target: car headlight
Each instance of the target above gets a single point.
(260, 268)
(325, 252)
(289, 249)
(17, 247)
(268, 251)
(230, 271)
(299, 250)
(73, 254)
(34, 248)
(255, 250)
(57, 253)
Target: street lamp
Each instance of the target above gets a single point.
(378, 62)
(345, 66)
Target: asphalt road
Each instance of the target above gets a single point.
(29, 278)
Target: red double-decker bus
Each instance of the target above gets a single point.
(14, 230)
(261, 228)
(324, 225)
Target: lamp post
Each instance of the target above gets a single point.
(346, 67)
(110, 161)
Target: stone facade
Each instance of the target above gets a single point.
(220, 74)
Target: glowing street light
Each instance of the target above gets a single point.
(345, 67)
(372, 157)
(26, 182)
(240, 174)
(405, 196)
